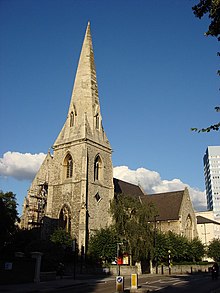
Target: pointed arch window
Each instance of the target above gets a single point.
(68, 165)
(188, 228)
(97, 121)
(65, 219)
(69, 171)
(72, 119)
(97, 168)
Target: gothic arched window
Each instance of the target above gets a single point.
(65, 219)
(68, 165)
(188, 228)
(97, 168)
(97, 121)
(72, 118)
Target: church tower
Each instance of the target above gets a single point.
(79, 175)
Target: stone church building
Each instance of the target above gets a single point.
(74, 185)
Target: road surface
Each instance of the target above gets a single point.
(201, 283)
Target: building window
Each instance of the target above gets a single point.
(68, 164)
(72, 119)
(188, 228)
(97, 168)
(65, 219)
(97, 121)
(69, 172)
(97, 197)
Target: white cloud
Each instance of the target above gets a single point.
(20, 166)
(151, 182)
(24, 167)
(144, 177)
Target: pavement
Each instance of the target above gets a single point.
(53, 285)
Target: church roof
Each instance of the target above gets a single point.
(167, 204)
(203, 220)
(122, 187)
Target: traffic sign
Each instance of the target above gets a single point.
(119, 284)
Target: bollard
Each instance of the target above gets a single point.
(134, 282)
(119, 284)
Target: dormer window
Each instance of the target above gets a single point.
(72, 119)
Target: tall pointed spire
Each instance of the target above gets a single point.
(84, 99)
(85, 80)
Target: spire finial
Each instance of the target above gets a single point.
(88, 28)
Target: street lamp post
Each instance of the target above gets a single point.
(169, 262)
(118, 250)
(155, 241)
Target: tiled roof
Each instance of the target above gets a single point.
(167, 204)
(122, 187)
(203, 220)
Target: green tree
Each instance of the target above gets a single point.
(8, 217)
(131, 221)
(181, 248)
(196, 250)
(103, 245)
(62, 238)
(214, 249)
(162, 247)
(53, 253)
(56, 249)
(212, 8)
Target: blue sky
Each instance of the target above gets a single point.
(156, 76)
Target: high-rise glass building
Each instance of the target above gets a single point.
(211, 162)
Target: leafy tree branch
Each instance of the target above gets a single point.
(212, 9)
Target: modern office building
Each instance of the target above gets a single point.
(211, 162)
